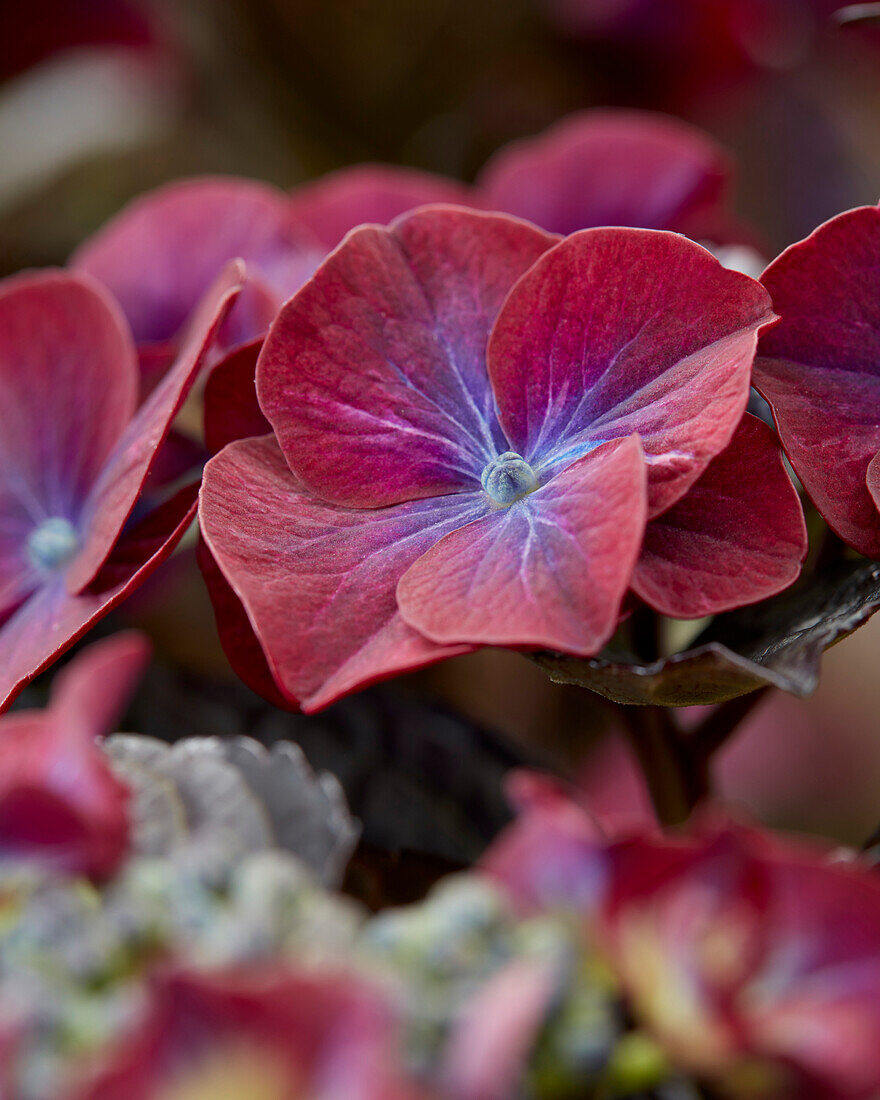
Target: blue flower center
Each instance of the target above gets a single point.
(508, 478)
(52, 544)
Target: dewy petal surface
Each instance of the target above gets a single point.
(548, 571)
(318, 582)
(115, 492)
(165, 249)
(68, 387)
(820, 368)
(738, 536)
(596, 168)
(373, 376)
(616, 331)
(369, 193)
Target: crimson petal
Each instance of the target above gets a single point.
(68, 387)
(115, 492)
(373, 376)
(318, 581)
(631, 168)
(548, 572)
(164, 250)
(369, 193)
(231, 407)
(820, 368)
(616, 331)
(737, 537)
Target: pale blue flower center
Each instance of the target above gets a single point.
(508, 478)
(52, 544)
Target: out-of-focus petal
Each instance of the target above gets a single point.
(161, 254)
(260, 1033)
(610, 167)
(60, 803)
(369, 194)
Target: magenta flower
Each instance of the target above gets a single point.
(61, 805)
(753, 961)
(331, 206)
(161, 254)
(472, 425)
(75, 452)
(820, 370)
(261, 1034)
(615, 167)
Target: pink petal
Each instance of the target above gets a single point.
(51, 620)
(548, 571)
(329, 1033)
(369, 193)
(820, 368)
(736, 537)
(164, 250)
(115, 493)
(68, 387)
(60, 802)
(231, 407)
(616, 331)
(317, 582)
(552, 857)
(614, 167)
(94, 689)
(493, 1038)
(373, 376)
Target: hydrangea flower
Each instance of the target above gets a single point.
(162, 253)
(266, 1033)
(75, 453)
(61, 805)
(616, 167)
(473, 422)
(754, 961)
(820, 370)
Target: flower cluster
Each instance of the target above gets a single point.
(209, 960)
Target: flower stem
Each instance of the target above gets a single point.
(677, 777)
(677, 763)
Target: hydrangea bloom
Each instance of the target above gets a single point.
(61, 806)
(615, 167)
(754, 961)
(820, 370)
(75, 453)
(161, 253)
(473, 422)
(264, 1034)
